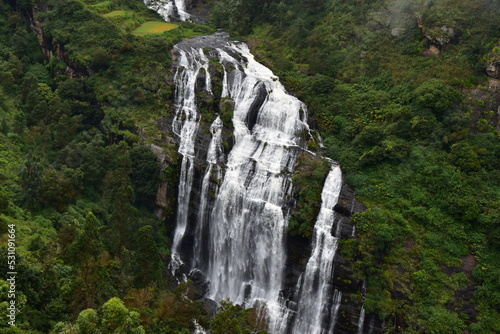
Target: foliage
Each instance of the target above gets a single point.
(74, 179)
(435, 96)
(308, 179)
(396, 120)
(145, 175)
(234, 319)
(153, 28)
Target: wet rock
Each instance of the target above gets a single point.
(261, 94)
(210, 306)
(348, 204)
(200, 284)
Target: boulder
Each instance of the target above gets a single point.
(396, 32)
(493, 69)
(493, 63)
(442, 37)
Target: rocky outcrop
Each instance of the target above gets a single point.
(441, 37)
(493, 69)
(493, 63)
(465, 293)
(484, 104)
(48, 47)
(165, 195)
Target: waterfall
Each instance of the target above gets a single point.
(198, 329)
(214, 158)
(246, 221)
(236, 238)
(361, 321)
(169, 9)
(249, 216)
(185, 125)
(317, 300)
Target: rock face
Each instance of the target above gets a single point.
(493, 63)
(485, 106)
(493, 69)
(50, 49)
(166, 193)
(441, 37)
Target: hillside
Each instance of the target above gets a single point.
(404, 94)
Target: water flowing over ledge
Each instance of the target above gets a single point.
(169, 9)
(246, 220)
(234, 200)
(316, 309)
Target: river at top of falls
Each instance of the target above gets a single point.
(169, 9)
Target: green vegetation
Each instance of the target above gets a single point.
(308, 180)
(153, 28)
(78, 179)
(234, 319)
(414, 134)
(415, 131)
(115, 13)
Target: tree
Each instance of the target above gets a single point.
(120, 196)
(234, 319)
(88, 322)
(148, 264)
(31, 181)
(436, 96)
(87, 253)
(145, 175)
(116, 318)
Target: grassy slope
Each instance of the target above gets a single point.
(153, 28)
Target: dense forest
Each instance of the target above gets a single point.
(404, 94)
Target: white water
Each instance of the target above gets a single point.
(185, 125)
(247, 255)
(214, 157)
(197, 328)
(361, 320)
(169, 9)
(247, 220)
(316, 304)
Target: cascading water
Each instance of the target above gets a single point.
(236, 238)
(361, 320)
(169, 9)
(317, 306)
(247, 220)
(249, 216)
(214, 159)
(185, 125)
